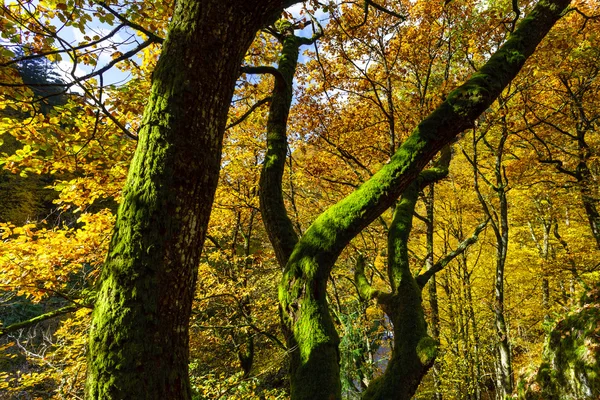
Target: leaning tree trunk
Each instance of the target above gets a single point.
(302, 293)
(138, 344)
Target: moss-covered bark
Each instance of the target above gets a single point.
(138, 346)
(315, 373)
(277, 223)
(570, 368)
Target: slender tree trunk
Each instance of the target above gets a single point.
(474, 331)
(499, 221)
(138, 345)
(505, 374)
(504, 361)
(434, 326)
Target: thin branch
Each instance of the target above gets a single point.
(423, 278)
(133, 25)
(49, 53)
(100, 71)
(376, 6)
(247, 113)
(317, 34)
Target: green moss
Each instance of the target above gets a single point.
(427, 350)
(571, 358)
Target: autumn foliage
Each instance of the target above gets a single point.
(359, 91)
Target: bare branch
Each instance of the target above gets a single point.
(423, 278)
(247, 113)
(376, 6)
(263, 69)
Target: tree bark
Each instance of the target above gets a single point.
(278, 225)
(138, 344)
(499, 223)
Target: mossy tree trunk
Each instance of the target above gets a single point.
(138, 344)
(414, 351)
(277, 222)
(278, 225)
(302, 293)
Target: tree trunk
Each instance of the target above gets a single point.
(477, 377)
(504, 361)
(414, 350)
(434, 326)
(499, 223)
(138, 345)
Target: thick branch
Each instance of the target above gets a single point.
(400, 228)
(264, 69)
(331, 232)
(365, 291)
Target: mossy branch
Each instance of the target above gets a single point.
(40, 318)
(423, 278)
(278, 225)
(334, 228)
(365, 290)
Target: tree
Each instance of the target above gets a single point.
(138, 346)
(302, 292)
(314, 368)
